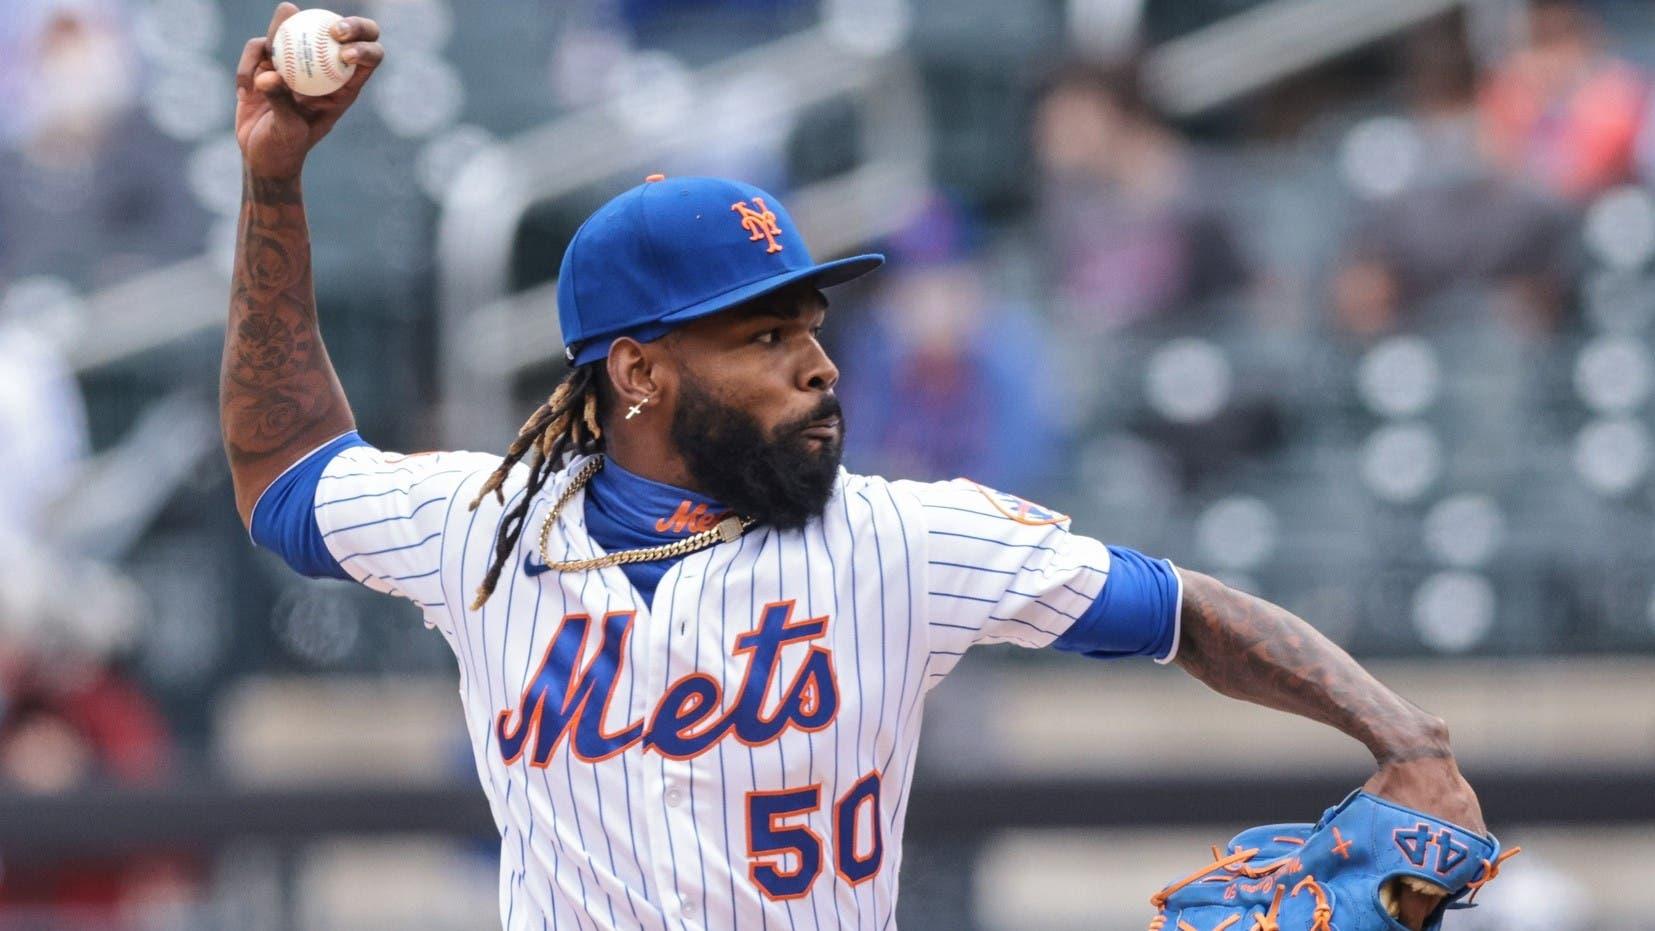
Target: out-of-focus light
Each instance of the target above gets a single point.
(417, 95)
(1187, 381)
(1105, 28)
(1454, 611)
(442, 158)
(315, 623)
(164, 28)
(871, 27)
(582, 61)
(1612, 456)
(174, 101)
(1620, 228)
(1401, 461)
(1123, 472)
(214, 175)
(46, 305)
(652, 93)
(1613, 375)
(221, 241)
(400, 239)
(1619, 302)
(1399, 377)
(729, 137)
(1237, 533)
(1464, 531)
(1380, 156)
(414, 25)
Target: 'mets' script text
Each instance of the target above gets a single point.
(567, 697)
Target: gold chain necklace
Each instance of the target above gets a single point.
(728, 530)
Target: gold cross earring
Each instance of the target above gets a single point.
(636, 409)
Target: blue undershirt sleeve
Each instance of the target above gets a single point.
(1136, 614)
(284, 519)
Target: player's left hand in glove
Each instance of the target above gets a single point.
(1347, 872)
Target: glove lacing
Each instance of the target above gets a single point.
(1323, 914)
(1491, 869)
(1264, 921)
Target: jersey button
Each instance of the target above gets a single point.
(674, 797)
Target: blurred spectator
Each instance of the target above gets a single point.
(89, 190)
(1563, 112)
(71, 723)
(1447, 217)
(1130, 224)
(42, 425)
(944, 379)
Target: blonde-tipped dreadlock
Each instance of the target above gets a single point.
(565, 425)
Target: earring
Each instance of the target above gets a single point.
(636, 409)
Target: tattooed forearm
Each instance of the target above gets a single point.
(1250, 649)
(278, 395)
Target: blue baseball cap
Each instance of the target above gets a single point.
(672, 250)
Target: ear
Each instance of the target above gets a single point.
(637, 373)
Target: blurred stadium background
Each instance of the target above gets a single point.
(1349, 302)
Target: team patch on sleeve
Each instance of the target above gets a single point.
(1021, 510)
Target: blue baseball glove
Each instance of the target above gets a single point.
(1339, 874)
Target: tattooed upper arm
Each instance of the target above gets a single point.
(1247, 648)
(278, 395)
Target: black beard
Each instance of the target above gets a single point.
(777, 480)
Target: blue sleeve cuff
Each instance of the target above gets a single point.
(284, 519)
(1136, 614)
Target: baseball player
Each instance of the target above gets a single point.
(693, 650)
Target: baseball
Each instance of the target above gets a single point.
(307, 55)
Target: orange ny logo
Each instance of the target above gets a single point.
(759, 224)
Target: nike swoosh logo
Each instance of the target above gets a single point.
(531, 569)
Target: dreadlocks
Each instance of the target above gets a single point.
(567, 424)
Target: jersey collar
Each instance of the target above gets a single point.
(642, 508)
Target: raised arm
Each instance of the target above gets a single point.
(1248, 648)
(278, 394)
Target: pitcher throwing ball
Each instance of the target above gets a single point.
(693, 650)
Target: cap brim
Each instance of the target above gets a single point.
(823, 275)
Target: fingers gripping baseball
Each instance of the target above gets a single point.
(275, 125)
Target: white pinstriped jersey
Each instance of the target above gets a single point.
(737, 753)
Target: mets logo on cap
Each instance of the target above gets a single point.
(672, 250)
(760, 224)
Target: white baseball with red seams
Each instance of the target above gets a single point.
(306, 54)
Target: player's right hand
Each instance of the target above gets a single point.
(276, 127)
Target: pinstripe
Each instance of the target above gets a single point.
(908, 642)
(810, 738)
(574, 803)
(724, 799)
(393, 491)
(393, 549)
(480, 629)
(528, 806)
(505, 695)
(750, 613)
(856, 646)
(884, 659)
(634, 644)
(597, 781)
(385, 520)
(666, 815)
(961, 565)
(781, 744)
(700, 854)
